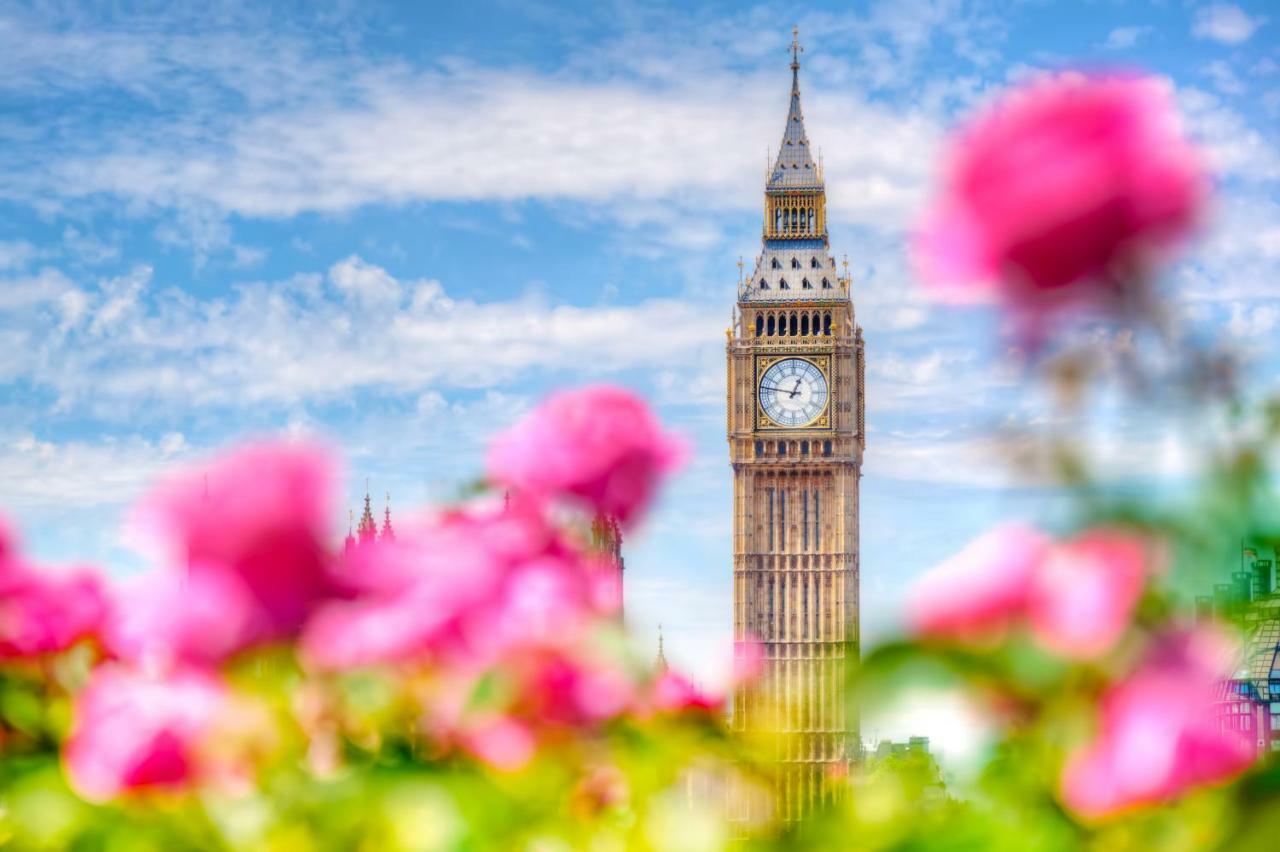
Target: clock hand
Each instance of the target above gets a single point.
(795, 390)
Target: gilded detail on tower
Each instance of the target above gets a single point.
(795, 429)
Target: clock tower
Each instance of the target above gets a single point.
(796, 438)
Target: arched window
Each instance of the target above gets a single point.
(774, 264)
(804, 325)
(826, 324)
(816, 322)
(771, 325)
(826, 285)
(805, 285)
(795, 324)
(826, 448)
(811, 220)
(764, 285)
(759, 324)
(795, 263)
(777, 220)
(813, 263)
(783, 285)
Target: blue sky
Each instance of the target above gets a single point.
(399, 225)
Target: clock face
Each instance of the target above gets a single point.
(793, 392)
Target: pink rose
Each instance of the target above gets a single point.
(1077, 597)
(601, 445)
(979, 593)
(674, 693)
(43, 610)
(569, 689)
(1158, 731)
(505, 744)
(467, 588)
(133, 732)
(163, 618)
(1064, 188)
(1084, 592)
(260, 513)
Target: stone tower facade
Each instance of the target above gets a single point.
(796, 439)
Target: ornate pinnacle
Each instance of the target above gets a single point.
(796, 48)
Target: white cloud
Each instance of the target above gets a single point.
(267, 124)
(1225, 23)
(47, 285)
(44, 475)
(16, 254)
(507, 136)
(1224, 77)
(1235, 148)
(313, 338)
(1123, 38)
(1251, 321)
(87, 247)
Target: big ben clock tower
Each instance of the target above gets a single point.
(796, 438)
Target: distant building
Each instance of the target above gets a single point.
(1250, 702)
(366, 532)
(913, 745)
(606, 539)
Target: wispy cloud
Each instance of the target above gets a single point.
(1123, 38)
(114, 343)
(1225, 23)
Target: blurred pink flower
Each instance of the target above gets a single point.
(163, 618)
(979, 593)
(464, 589)
(1158, 733)
(1066, 186)
(45, 610)
(1084, 592)
(505, 744)
(674, 693)
(406, 599)
(133, 732)
(570, 689)
(748, 661)
(260, 513)
(599, 444)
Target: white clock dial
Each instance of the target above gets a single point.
(793, 392)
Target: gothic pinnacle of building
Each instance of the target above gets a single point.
(388, 532)
(366, 531)
(795, 430)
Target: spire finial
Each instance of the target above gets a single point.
(796, 48)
